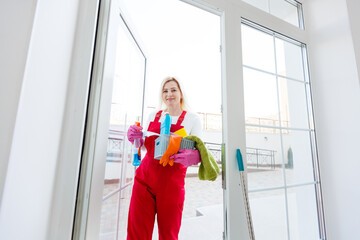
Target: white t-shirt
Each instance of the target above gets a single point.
(191, 122)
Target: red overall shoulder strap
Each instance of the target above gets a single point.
(181, 118)
(158, 115)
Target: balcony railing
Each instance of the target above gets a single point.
(213, 121)
(255, 157)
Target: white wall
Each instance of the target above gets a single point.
(26, 208)
(16, 20)
(336, 95)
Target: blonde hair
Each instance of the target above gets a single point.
(182, 98)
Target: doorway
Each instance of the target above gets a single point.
(133, 56)
(184, 41)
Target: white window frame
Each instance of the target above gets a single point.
(310, 129)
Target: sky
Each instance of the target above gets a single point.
(183, 41)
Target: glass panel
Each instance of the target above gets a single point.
(282, 9)
(109, 216)
(261, 105)
(128, 82)
(114, 160)
(298, 157)
(309, 100)
(268, 213)
(126, 65)
(261, 4)
(293, 104)
(264, 160)
(124, 210)
(289, 60)
(272, 155)
(257, 49)
(302, 209)
(285, 11)
(114, 214)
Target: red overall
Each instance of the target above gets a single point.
(157, 190)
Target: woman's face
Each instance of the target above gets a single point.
(171, 94)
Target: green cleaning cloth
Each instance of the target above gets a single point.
(208, 170)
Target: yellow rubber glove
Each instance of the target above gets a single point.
(173, 147)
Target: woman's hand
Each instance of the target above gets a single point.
(135, 132)
(187, 157)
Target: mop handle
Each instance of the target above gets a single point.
(239, 160)
(245, 193)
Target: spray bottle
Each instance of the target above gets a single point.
(164, 136)
(165, 125)
(136, 149)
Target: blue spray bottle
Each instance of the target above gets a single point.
(165, 125)
(136, 150)
(164, 134)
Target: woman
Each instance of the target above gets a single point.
(160, 189)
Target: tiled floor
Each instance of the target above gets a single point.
(198, 194)
(201, 196)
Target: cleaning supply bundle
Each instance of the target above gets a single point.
(168, 144)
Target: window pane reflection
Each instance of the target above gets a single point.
(108, 216)
(298, 157)
(261, 105)
(268, 214)
(293, 104)
(302, 207)
(258, 49)
(289, 60)
(282, 9)
(285, 10)
(264, 160)
(114, 213)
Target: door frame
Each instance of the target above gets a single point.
(94, 119)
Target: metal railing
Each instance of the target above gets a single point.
(213, 121)
(117, 152)
(258, 157)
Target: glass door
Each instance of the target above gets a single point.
(280, 137)
(116, 102)
(126, 108)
